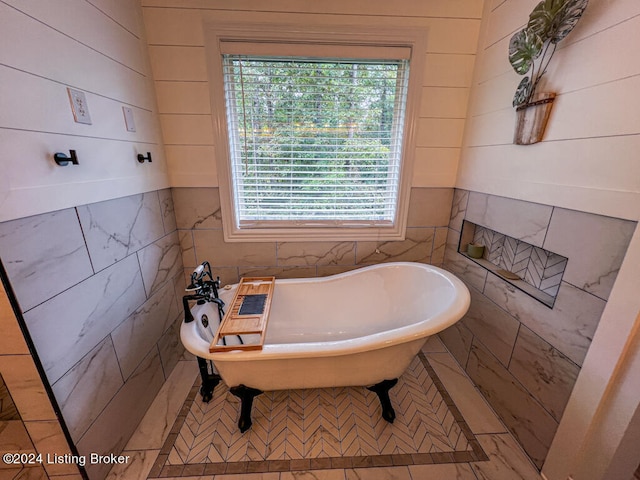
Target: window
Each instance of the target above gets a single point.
(315, 136)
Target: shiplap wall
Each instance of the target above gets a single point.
(587, 161)
(588, 158)
(99, 47)
(176, 47)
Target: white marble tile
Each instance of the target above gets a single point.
(197, 208)
(187, 248)
(468, 271)
(137, 468)
(311, 475)
(171, 349)
(65, 328)
(545, 372)
(48, 438)
(434, 344)
(378, 473)
(569, 326)
(519, 219)
(454, 471)
(116, 228)
(167, 209)
(160, 262)
(265, 476)
(117, 422)
(492, 326)
(416, 247)
(88, 387)
(158, 421)
(473, 407)
(439, 246)
(595, 246)
(44, 255)
(507, 461)
(210, 246)
(316, 253)
(458, 209)
(457, 339)
(140, 332)
(531, 424)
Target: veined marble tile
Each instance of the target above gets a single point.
(65, 328)
(439, 246)
(327, 270)
(170, 346)
(197, 208)
(594, 244)
(137, 468)
(188, 250)
(494, 327)
(453, 471)
(516, 218)
(12, 340)
(429, 207)
(379, 473)
(316, 253)
(44, 255)
(210, 246)
(117, 422)
(529, 422)
(88, 387)
(160, 262)
(434, 345)
(569, 326)
(336, 474)
(167, 209)
(507, 461)
(468, 271)
(474, 409)
(545, 372)
(458, 209)
(134, 337)
(116, 228)
(14, 439)
(158, 421)
(278, 272)
(416, 247)
(457, 338)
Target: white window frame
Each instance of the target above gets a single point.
(343, 41)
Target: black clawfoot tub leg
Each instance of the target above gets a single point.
(209, 380)
(245, 394)
(382, 390)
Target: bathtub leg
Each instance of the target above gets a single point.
(382, 390)
(245, 394)
(209, 380)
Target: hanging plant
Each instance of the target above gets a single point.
(531, 49)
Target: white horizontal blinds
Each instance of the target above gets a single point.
(315, 140)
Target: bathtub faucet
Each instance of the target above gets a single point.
(203, 290)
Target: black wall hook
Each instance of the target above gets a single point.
(62, 160)
(142, 158)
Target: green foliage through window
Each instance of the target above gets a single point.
(315, 139)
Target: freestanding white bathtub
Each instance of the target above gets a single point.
(357, 328)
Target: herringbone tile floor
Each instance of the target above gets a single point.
(323, 428)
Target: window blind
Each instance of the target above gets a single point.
(315, 141)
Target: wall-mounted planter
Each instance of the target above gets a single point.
(532, 119)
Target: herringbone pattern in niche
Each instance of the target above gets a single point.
(326, 427)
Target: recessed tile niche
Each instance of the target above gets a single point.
(538, 271)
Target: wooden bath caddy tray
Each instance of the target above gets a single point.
(248, 314)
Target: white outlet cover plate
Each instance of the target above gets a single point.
(79, 106)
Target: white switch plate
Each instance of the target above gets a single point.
(79, 106)
(128, 119)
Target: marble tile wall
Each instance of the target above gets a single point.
(99, 287)
(201, 238)
(523, 356)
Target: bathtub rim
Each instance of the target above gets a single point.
(375, 341)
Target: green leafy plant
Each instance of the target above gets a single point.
(531, 49)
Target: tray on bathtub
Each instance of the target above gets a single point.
(248, 314)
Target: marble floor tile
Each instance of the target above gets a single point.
(507, 461)
(459, 471)
(137, 468)
(475, 410)
(312, 475)
(379, 473)
(156, 424)
(434, 344)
